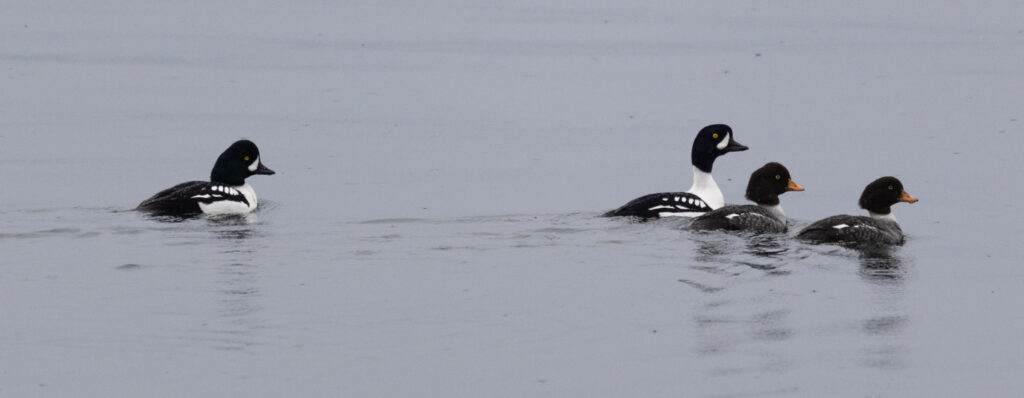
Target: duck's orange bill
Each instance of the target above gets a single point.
(905, 197)
(792, 186)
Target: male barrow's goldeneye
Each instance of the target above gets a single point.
(226, 193)
(711, 142)
(879, 229)
(764, 188)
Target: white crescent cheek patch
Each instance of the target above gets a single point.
(724, 143)
(255, 164)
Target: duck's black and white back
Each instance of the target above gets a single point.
(752, 218)
(225, 193)
(666, 204)
(880, 228)
(704, 195)
(853, 230)
(196, 197)
(764, 188)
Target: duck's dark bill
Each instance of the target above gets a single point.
(263, 170)
(735, 147)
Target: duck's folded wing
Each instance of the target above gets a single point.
(853, 230)
(669, 204)
(176, 199)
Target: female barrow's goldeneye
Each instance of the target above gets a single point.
(226, 193)
(711, 142)
(764, 188)
(879, 229)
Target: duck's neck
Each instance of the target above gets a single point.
(776, 210)
(705, 187)
(883, 216)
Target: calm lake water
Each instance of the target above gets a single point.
(432, 228)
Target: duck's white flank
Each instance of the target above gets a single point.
(231, 206)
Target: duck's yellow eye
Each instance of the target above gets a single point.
(247, 159)
(715, 136)
(890, 187)
(778, 176)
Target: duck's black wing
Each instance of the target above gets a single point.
(177, 200)
(668, 204)
(740, 218)
(188, 198)
(853, 230)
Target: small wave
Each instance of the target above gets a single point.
(701, 287)
(46, 233)
(394, 221)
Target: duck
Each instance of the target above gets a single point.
(764, 188)
(703, 196)
(225, 193)
(879, 228)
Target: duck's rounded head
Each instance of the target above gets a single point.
(882, 193)
(711, 142)
(768, 182)
(240, 161)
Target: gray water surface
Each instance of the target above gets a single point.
(433, 231)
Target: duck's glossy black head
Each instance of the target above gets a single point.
(711, 142)
(768, 182)
(238, 162)
(881, 194)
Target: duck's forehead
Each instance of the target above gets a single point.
(769, 171)
(249, 149)
(719, 129)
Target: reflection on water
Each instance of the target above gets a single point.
(767, 245)
(239, 283)
(238, 275)
(885, 271)
(733, 317)
(771, 325)
(234, 234)
(711, 250)
(232, 227)
(744, 311)
(881, 265)
(239, 288)
(745, 300)
(168, 218)
(762, 252)
(884, 325)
